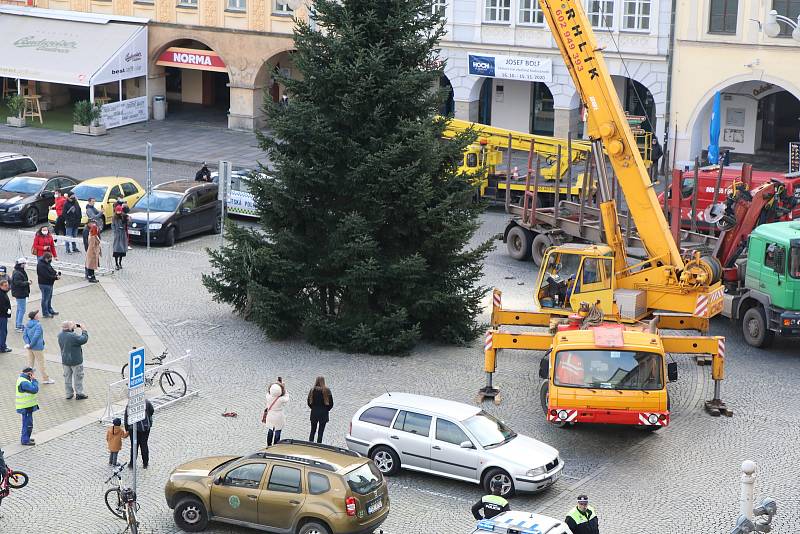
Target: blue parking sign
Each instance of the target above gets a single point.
(136, 368)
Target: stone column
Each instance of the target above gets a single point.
(567, 120)
(466, 110)
(156, 85)
(245, 111)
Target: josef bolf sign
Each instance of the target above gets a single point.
(192, 58)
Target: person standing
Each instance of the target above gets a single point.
(20, 290)
(93, 252)
(656, 154)
(142, 435)
(71, 345)
(491, 505)
(583, 519)
(92, 214)
(119, 226)
(5, 314)
(72, 214)
(274, 414)
(114, 437)
(47, 277)
(203, 175)
(33, 336)
(58, 206)
(27, 403)
(320, 400)
(43, 242)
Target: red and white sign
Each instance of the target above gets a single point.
(191, 58)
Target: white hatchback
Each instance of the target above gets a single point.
(450, 439)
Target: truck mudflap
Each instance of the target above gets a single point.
(612, 417)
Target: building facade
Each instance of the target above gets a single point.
(721, 46)
(506, 70)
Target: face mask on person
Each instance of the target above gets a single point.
(44, 232)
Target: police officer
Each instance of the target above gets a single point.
(491, 505)
(203, 175)
(583, 519)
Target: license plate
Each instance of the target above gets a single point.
(134, 232)
(555, 476)
(375, 505)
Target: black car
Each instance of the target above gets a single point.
(177, 209)
(27, 198)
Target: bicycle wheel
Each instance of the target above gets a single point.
(114, 502)
(130, 512)
(172, 383)
(17, 480)
(124, 371)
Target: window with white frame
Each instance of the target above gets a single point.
(636, 15)
(237, 5)
(601, 13)
(498, 10)
(281, 8)
(187, 3)
(439, 7)
(530, 12)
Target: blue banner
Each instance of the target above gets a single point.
(481, 65)
(716, 122)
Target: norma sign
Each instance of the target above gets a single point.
(191, 58)
(794, 156)
(528, 69)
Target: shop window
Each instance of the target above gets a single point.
(281, 9)
(636, 15)
(723, 17)
(530, 12)
(439, 7)
(237, 5)
(498, 11)
(601, 13)
(787, 8)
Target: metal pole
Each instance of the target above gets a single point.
(569, 166)
(696, 193)
(224, 178)
(135, 452)
(557, 197)
(746, 495)
(149, 186)
(508, 177)
(587, 181)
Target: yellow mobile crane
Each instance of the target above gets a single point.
(682, 292)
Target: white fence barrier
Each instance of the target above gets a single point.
(72, 262)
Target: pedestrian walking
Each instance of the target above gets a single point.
(491, 505)
(119, 226)
(47, 276)
(656, 154)
(114, 437)
(583, 519)
(320, 400)
(43, 242)
(274, 414)
(71, 345)
(33, 336)
(142, 435)
(27, 403)
(93, 252)
(92, 214)
(5, 315)
(20, 290)
(58, 207)
(72, 214)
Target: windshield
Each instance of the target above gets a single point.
(24, 185)
(223, 464)
(364, 479)
(159, 201)
(488, 431)
(609, 369)
(794, 261)
(85, 192)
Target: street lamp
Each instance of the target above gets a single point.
(772, 27)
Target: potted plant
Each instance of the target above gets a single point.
(95, 128)
(16, 104)
(81, 117)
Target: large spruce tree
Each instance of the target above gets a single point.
(366, 221)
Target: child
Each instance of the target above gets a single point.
(114, 437)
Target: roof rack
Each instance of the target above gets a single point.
(296, 459)
(333, 448)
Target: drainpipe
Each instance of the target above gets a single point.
(670, 56)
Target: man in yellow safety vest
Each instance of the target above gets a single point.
(583, 519)
(27, 403)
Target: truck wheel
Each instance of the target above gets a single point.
(755, 329)
(540, 245)
(518, 242)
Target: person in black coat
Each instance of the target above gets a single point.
(656, 154)
(142, 434)
(72, 220)
(47, 277)
(320, 400)
(5, 313)
(20, 290)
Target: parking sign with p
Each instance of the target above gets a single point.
(136, 368)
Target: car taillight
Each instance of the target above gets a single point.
(350, 506)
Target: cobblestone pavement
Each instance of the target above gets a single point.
(684, 478)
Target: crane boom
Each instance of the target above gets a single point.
(584, 59)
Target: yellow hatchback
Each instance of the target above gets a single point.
(105, 190)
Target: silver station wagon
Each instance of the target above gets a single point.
(450, 439)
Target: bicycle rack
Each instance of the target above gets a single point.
(117, 392)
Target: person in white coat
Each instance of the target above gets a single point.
(274, 414)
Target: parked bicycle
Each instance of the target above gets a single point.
(121, 501)
(171, 381)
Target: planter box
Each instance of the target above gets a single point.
(16, 122)
(97, 130)
(78, 129)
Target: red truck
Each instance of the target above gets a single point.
(707, 176)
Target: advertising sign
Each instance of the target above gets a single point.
(794, 156)
(116, 114)
(192, 58)
(528, 69)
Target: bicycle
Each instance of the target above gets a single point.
(121, 501)
(171, 381)
(13, 479)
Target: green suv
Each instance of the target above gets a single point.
(293, 487)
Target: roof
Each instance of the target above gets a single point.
(44, 174)
(107, 180)
(9, 155)
(431, 405)
(326, 457)
(521, 522)
(181, 186)
(634, 338)
(783, 231)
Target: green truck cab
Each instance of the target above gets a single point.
(767, 298)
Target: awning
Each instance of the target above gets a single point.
(191, 58)
(71, 48)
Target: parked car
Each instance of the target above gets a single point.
(239, 199)
(516, 522)
(293, 487)
(12, 164)
(453, 440)
(177, 209)
(27, 198)
(105, 190)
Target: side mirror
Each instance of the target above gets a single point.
(466, 445)
(544, 368)
(185, 210)
(672, 371)
(780, 260)
(218, 480)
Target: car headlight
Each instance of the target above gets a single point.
(155, 226)
(18, 207)
(536, 472)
